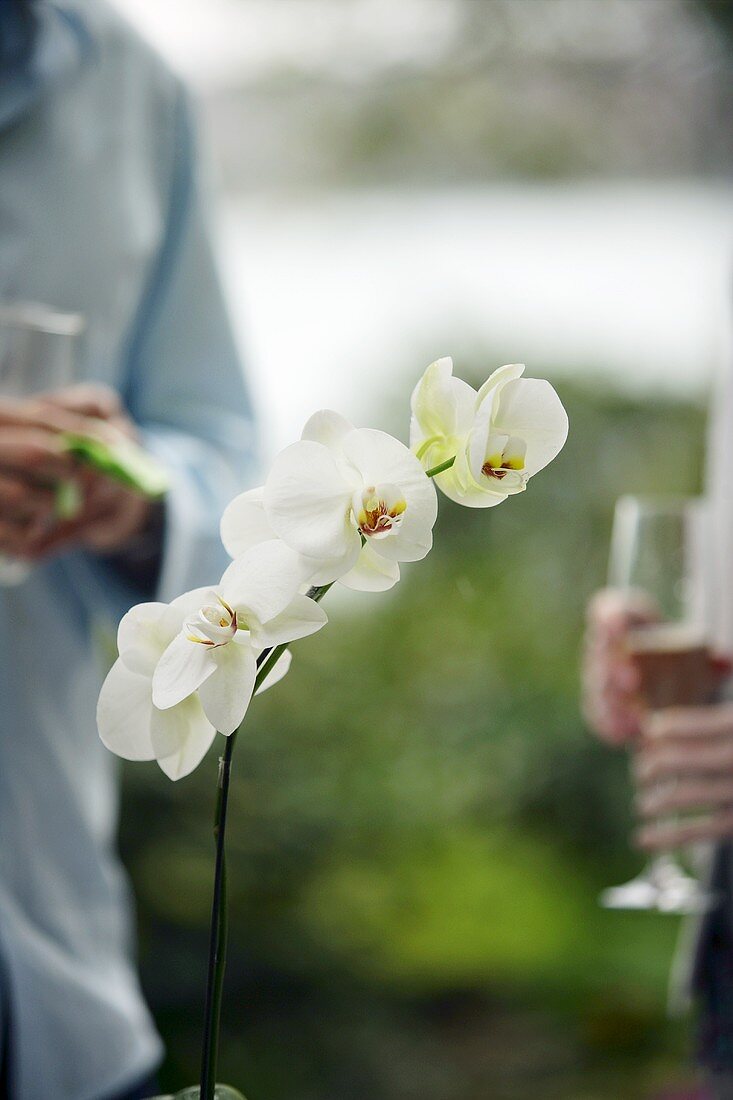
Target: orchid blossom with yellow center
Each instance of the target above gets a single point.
(129, 724)
(353, 503)
(491, 441)
(257, 605)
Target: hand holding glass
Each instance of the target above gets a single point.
(658, 561)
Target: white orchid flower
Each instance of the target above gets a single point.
(257, 605)
(500, 436)
(129, 724)
(244, 525)
(353, 503)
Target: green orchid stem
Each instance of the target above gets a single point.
(218, 934)
(219, 916)
(434, 470)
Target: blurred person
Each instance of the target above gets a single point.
(99, 214)
(683, 755)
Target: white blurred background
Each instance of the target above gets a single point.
(534, 180)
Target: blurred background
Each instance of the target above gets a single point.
(420, 822)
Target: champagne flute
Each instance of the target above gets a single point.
(38, 351)
(658, 551)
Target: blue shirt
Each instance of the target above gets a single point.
(99, 214)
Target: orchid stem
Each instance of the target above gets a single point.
(218, 935)
(219, 915)
(435, 470)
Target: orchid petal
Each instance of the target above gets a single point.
(495, 383)
(382, 459)
(262, 582)
(182, 669)
(372, 572)
(477, 444)
(300, 618)
(461, 472)
(308, 501)
(471, 495)
(483, 441)
(123, 713)
(181, 736)
(324, 571)
(463, 398)
(531, 409)
(225, 696)
(185, 607)
(442, 407)
(244, 523)
(278, 671)
(430, 403)
(327, 427)
(141, 637)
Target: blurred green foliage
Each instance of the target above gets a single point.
(420, 825)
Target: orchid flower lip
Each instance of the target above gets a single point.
(498, 472)
(379, 510)
(214, 626)
(506, 454)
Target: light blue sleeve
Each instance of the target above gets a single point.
(185, 388)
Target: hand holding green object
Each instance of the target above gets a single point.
(123, 461)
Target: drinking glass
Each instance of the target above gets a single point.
(38, 351)
(658, 559)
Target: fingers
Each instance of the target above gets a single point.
(665, 836)
(31, 446)
(87, 399)
(610, 679)
(109, 518)
(39, 413)
(93, 401)
(36, 454)
(685, 742)
(684, 765)
(692, 794)
(683, 760)
(21, 501)
(612, 612)
(81, 410)
(615, 720)
(13, 539)
(113, 531)
(33, 459)
(115, 516)
(688, 724)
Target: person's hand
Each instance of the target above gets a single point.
(610, 680)
(33, 462)
(90, 399)
(684, 766)
(111, 514)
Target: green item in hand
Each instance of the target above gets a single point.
(122, 461)
(67, 500)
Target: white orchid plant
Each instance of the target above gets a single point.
(344, 505)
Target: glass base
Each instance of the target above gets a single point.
(663, 886)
